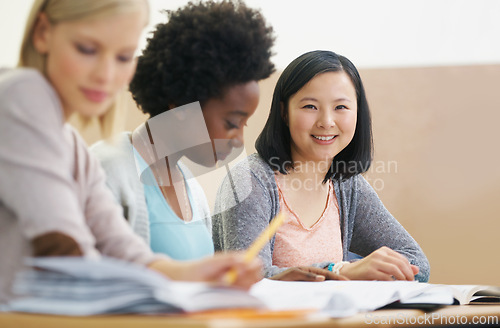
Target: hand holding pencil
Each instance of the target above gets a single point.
(239, 269)
(232, 268)
(212, 269)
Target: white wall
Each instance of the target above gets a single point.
(372, 33)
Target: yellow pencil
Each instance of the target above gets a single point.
(258, 244)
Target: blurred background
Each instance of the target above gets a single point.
(431, 70)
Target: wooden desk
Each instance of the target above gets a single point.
(452, 316)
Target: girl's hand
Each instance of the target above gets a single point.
(307, 274)
(382, 264)
(213, 269)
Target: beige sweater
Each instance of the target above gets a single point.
(53, 197)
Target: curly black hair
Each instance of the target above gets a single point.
(203, 49)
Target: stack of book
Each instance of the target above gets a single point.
(79, 286)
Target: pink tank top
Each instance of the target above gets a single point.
(296, 245)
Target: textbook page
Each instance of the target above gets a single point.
(344, 298)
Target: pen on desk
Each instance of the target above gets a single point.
(258, 244)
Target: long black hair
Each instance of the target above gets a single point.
(273, 143)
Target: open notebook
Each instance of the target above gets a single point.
(79, 286)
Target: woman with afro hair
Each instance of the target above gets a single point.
(198, 81)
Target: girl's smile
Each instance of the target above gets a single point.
(324, 139)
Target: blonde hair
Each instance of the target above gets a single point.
(67, 10)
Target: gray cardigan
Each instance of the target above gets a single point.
(365, 222)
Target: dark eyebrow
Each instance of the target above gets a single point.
(308, 98)
(344, 99)
(314, 99)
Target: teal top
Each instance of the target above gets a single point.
(171, 235)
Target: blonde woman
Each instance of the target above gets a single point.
(75, 58)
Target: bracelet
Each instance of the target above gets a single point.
(330, 266)
(336, 267)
